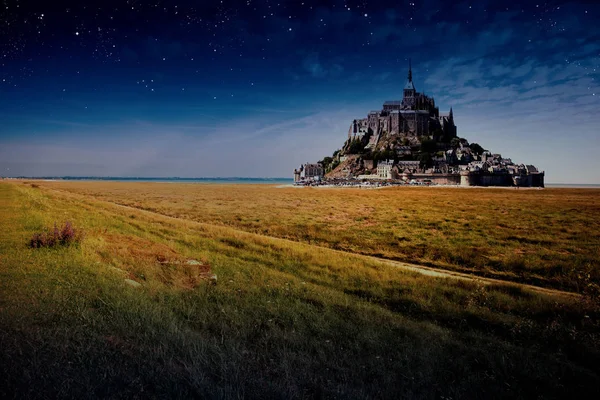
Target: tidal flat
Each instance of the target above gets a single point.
(297, 309)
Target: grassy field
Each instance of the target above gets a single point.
(546, 237)
(285, 319)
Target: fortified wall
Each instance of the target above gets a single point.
(471, 178)
(480, 178)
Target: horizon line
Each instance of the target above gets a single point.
(136, 177)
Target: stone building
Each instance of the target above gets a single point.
(313, 171)
(309, 172)
(415, 115)
(410, 166)
(384, 169)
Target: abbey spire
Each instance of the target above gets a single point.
(409, 88)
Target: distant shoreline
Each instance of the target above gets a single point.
(282, 182)
(231, 180)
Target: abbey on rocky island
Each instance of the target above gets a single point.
(410, 141)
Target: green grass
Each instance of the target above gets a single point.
(285, 320)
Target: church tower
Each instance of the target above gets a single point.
(450, 127)
(409, 88)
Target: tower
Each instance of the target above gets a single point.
(450, 127)
(409, 88)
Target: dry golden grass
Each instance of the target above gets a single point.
(545, 237)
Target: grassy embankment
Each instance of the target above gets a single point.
(284, 320)
(547, 238)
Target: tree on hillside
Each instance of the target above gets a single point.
(477, 149)
(425, 161)
(385, 154)
(326, 162)
(355, 146)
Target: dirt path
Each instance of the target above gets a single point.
(443, 273)
(421, 269)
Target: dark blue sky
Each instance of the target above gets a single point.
(254, 88)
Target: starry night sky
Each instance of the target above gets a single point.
(254, 88)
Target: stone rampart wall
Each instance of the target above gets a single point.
(439, 179)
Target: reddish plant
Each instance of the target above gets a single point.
(65, 236)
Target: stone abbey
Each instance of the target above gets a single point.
(415, 115)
